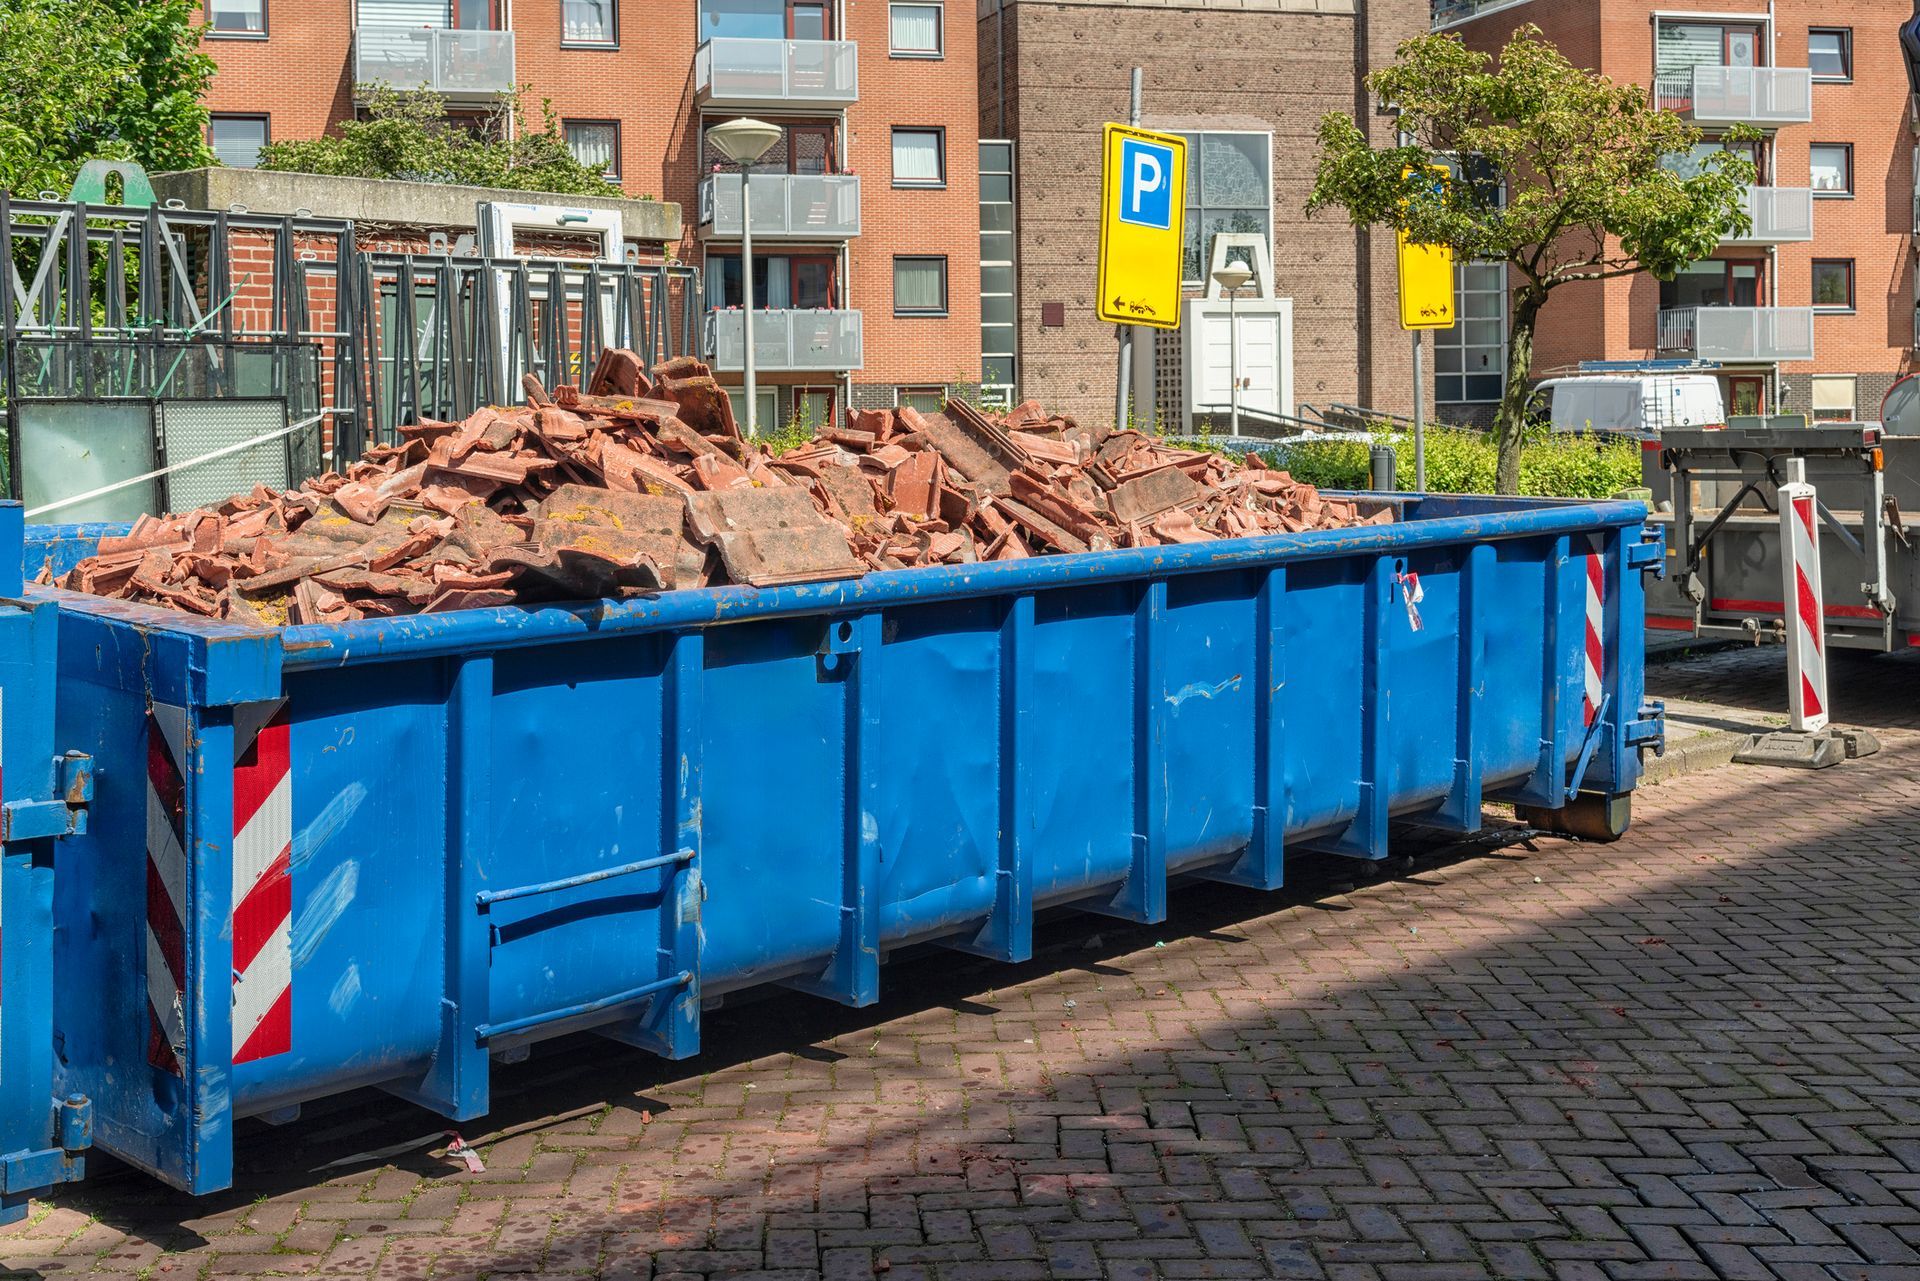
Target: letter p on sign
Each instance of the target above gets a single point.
(1146, 197)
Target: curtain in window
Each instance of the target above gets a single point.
(916, 28)
(592, 145)
(919, 284)
(402, 13)
(588, 20)
(236, 143)
(1684, 45)
(916, 156)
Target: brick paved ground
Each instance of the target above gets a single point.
(1691, 1054)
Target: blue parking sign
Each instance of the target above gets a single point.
(1146, 184)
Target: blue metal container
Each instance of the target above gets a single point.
(383, 852)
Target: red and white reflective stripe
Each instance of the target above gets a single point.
(166, 888)
(1806, 642)
(1596, 654)
(262, 891)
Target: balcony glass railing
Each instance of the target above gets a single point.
(733, 71)
(1737, 95)
(789, 206)
(1447, 12)
(1739, 334)
(1779, 214)
(447, 61)
(809, 341)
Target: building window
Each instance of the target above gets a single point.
(236, 140)
(1831, 167)
(596, 144)
(1830, 53)
(1229, 189)
(765, 20)
(594, 22)
(1470, 359)
(1833, 283)
(813, 409)
(1681, 46)
(920, 286)
(1833, 398)
(914, 31)
(227, 18)
(999, 306)
(919, 157)
(781, 282)
(1716, 282)
(920, 398)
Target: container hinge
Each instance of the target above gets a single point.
(26, 1172)
(67, 816)
(1650, 553)
(1649, 729)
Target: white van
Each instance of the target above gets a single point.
(1637, 405)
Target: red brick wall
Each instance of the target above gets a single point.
(300, 76)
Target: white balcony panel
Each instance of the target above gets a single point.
(457, 63)
(1738, 334)
(1713, 95)
(1780, 215)
(786, 206)
(730, 71)
(807, 341)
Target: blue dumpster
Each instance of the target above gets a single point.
(382, 853)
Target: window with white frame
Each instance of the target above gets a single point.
(1229, 189)
(915, 30)
(1833, 397)
(1470, 359)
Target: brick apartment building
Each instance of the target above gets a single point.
(1813, 311)
(866, 214)
(1247, 81)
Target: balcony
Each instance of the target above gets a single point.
(786, 206)
(730, 71)
(1712, 95)
(1741, 335)
(452, 63)
(804, 341)
(1447, 13)
(1780, 215)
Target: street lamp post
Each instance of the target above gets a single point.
(744, 141)
(1231, 279)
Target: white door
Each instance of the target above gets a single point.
(1262, 358)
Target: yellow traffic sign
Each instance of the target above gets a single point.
(1426, 279)
(1143, 216)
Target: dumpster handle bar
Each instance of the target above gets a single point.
(486, 1031)
(487, 898)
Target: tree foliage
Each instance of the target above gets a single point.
(409, 136)
(107, 79)
(1583, 163)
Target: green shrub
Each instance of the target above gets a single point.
(1460, 461)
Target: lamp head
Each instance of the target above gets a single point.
(744, 141)
(1232, 276)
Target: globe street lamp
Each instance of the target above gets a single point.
(1231, 279)
(744, 142)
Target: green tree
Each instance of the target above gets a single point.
(408, 135)
(109, 79)
(1587, 195)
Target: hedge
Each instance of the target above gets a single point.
(1462, 462)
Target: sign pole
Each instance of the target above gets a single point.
(1419, 423)
(1125, 332)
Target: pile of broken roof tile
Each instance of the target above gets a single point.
(644, 484)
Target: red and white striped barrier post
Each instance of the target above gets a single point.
(1806, 638)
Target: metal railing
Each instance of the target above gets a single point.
(445, 60)
(785, 205)
(1737, 95)
(1445, 13)
(810, 341)
(729, 70)
(1738, 333)
(1779, 214)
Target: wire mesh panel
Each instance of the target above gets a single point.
(218, 448)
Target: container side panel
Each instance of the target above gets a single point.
(1207, 712)
(577, 737)
(773, 815)
(366, 767)
(1423, 687)
(939, 816)
(101, 901)
(1323, 631)
(1080, 770)
(1510, 726)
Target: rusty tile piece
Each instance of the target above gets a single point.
(1153, 493)
(771, 536)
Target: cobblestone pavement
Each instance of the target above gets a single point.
(1690, 1054)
